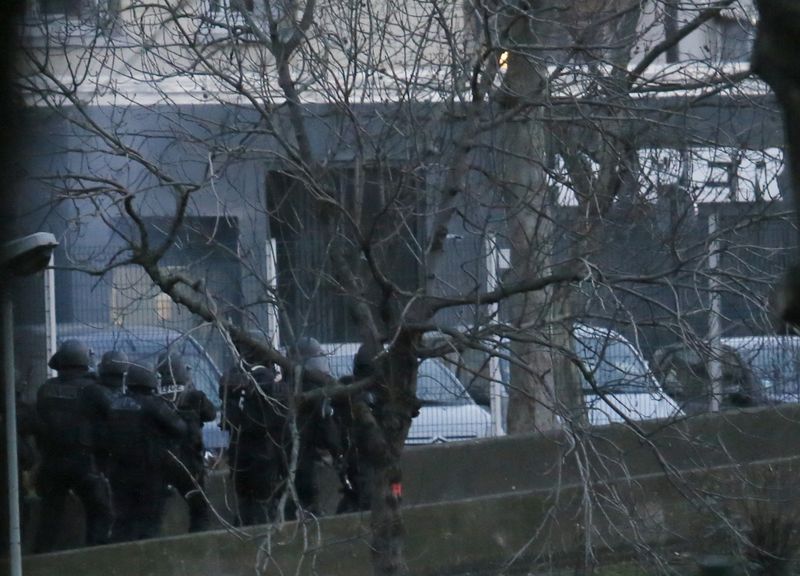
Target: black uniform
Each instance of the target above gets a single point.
(355, 416)
(141, 427)
(68, 406)
(111, 378)
(256, 416)
(185, 470)
(184, 466)
(232, 390)
(318, 430)
(356, 469)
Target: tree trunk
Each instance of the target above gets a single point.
(532, 391)
(394, 416)
(775, 60)
(611, 25)
(521, 156)
(566, 308)
(386, 521)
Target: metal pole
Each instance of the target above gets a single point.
(714, 316)
(273, 320)
(50, 313)
(14, 532)
(496, 386)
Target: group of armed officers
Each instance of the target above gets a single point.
(119, 438)
(273, 439)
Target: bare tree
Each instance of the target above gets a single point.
(366, 138)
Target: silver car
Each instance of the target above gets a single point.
(448, 413)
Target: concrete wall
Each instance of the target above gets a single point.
(505, 483)
(450, 472)
(657, 514)
(499, 465)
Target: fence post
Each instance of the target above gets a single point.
(15, 532)
(714, 314)
(496, 387)
(273, 320)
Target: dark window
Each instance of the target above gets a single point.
(384, 201)
(60, 7)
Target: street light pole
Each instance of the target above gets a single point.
(14, 531)
(50, 313)
(20, 257)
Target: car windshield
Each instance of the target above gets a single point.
(775, 364)
(615, 364)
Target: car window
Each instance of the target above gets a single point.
(776, 365)
(341, 364)
(436, 384)
(616, 365)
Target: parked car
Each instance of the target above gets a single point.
(448, 412)
(622, 376)
(773, 362)
(756, 371)
(142, 344)
(627, 387)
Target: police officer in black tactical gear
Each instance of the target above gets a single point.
(256, 410)
(68, 407)
(232, 389)
(316, 426)
(354, 415)
(111, 372)
(141, 428)
(111, 377)
(184, 467)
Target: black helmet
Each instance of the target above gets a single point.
(174, 372)
(113, 363)
(71, 354)
(312, 356)
(141, 377)
(363, 362)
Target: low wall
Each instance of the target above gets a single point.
(671, 515)
(496, 465)
(452, 472)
